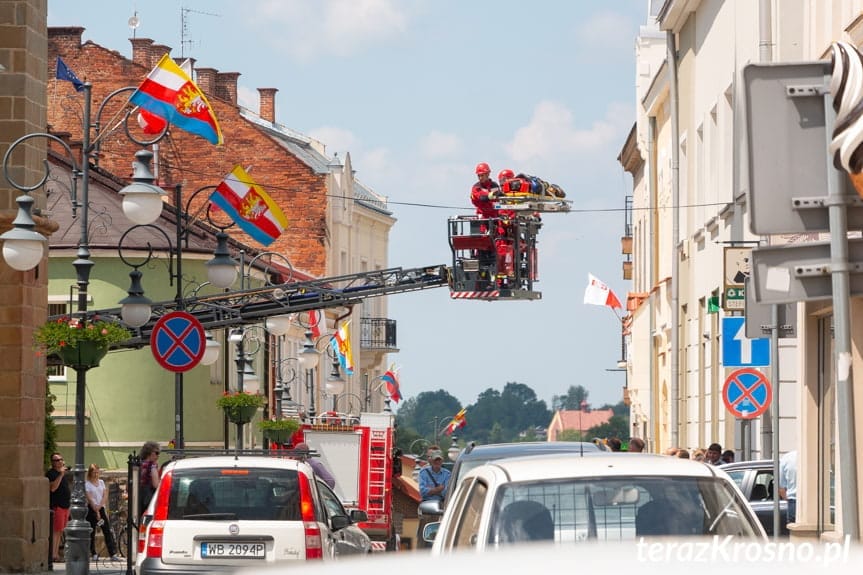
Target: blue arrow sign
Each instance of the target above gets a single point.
(740, 351)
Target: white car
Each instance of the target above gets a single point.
(592, 497)
(218, 513)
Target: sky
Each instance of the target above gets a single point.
(419, 92)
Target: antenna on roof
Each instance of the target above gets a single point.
(134, 22)
(184, 28)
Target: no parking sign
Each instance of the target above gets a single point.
(178, 341)
(747, 393)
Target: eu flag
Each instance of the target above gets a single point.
(64, 73)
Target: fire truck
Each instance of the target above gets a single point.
(493, 259)
(496, 258)
(358, 451)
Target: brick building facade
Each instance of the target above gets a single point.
(300, 189)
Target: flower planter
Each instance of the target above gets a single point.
(84, 355)
(240, 413)
(279, 435)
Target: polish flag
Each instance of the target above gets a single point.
(597, 293)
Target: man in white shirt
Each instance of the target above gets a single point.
(788, 483)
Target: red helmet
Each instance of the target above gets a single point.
(506, 174)
(482, 168)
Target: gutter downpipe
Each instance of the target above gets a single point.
(651, 274)
(675, 238)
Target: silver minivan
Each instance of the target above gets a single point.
(223, 512)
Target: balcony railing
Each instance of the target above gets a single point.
(378, 333)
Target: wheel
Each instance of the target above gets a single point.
(122, 547)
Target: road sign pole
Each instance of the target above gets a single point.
(774, 408)
(839, 274)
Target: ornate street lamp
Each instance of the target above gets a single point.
(142, 199)
(23, 249)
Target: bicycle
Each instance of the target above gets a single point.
(119, 528)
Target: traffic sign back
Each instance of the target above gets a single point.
(747, 393)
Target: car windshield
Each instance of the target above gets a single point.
(616, 509)
(235, 494)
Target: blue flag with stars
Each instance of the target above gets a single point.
(64, 73)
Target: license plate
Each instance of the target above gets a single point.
(236, 550)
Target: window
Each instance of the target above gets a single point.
(468, 529)
(57, 372)
(260, 494)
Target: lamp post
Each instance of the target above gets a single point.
(335, 383)
(23, 249)
(309, 359)
(221, 269)
(285, 404)
(246, 376)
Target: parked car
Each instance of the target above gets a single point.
(475, 455)
(595, 497)
(222, 512)
(755, 480)
(656, 558)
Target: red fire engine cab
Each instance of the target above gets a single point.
(496, 258)
(358, 451)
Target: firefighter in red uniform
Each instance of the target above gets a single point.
(484, 192)
(483, 195)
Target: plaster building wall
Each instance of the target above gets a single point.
(714, 42)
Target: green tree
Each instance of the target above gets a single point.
(426, 411)
(50, 430)
(571, 400)
(569, 435)
(616, 426)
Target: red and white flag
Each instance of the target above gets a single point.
(597, 293)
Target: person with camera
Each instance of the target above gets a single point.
(97, 514)
(60, 500)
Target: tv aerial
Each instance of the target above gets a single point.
(134, 22)
(184, 27)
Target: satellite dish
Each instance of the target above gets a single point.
(134, 22)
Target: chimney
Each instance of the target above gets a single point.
(226, 86)
(156, 53)
(65, 39)
(268, 104)
(141, 51)
(206, 80)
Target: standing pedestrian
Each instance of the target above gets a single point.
(60, 500)
(97, 514)
(434, 478)
(714, 454)
(149, 478)
(303, 453)
(788, 483)
(636, 445)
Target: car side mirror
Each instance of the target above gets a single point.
(430, 531)
(359, 516)
(339, 522)
(430, 507)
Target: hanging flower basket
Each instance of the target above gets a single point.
(80, 343)
(240, 414)
(279, 430)
(240, 407)
(83, 355)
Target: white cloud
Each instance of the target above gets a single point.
(437, 145)
(601, 31)
(249, 98)
(304, 29)
(336, 139)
